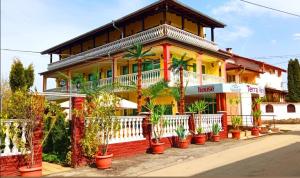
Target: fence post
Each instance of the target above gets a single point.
(224, 133)
(77, 133)
(147, 128)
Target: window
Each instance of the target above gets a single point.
(203, 69)
(269, 108)
(108, 73)
(194, 67)
(134, 68)
(125, 70)
(291, 108)
(231, 78)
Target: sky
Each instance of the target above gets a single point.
(36, 25)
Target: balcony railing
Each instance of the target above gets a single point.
(153, 34)
(151, 77)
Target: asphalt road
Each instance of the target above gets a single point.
(284, 161)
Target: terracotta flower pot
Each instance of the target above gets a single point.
(158, 148)
(236, 134)
(255, 131)
(216, 138)
(103, 162)
(183, 144)
(200, 139)
(35, 171)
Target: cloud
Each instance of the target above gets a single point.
(236, 7)
(235, 33)
(296, 36)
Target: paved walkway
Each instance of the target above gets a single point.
(196, 160)
(50, 168)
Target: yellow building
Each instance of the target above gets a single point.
(168, 27)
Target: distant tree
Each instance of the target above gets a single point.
(29, 76)
(20, 77)
(294, 80)
(16, 77)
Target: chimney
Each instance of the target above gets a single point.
(229, 50)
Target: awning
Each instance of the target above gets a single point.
(124, 104)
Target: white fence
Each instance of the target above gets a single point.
(207, 121)
(130, 129)
(9, 146)
(172, 123)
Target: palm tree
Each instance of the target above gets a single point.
(137, 53)
(178, 65)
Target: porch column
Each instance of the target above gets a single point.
(44, 83)
(114, 68)
(224, 72)
(199, 66)
(77, 133)
(69, 80)
(166, 55)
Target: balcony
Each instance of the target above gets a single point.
(153, 34)
(151, 77)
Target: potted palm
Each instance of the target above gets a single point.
(182, 137)
(100, 126)
(179, 65)
(200, 107)
(256, 115)
(236, 121)
(216, 130)
(200, 137)
(138, 54)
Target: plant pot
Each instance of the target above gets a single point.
(236, 134)
(103, 162)
(158, 148)
(35, 171)
(200, 139)
(216, 138)
(255, 131)
(183, 144)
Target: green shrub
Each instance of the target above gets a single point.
(51, 158)
(181, 132)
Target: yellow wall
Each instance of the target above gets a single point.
(101, 39)
(174, 20)
(154, 20)
(133, 28)
(190, 26)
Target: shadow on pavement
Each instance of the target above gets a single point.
(284, 161)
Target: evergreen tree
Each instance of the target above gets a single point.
(297, 79)
(293, 80)
(16, 77)
(21, 77)
(29, 76)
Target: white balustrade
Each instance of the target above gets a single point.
(130, 129)
(207, 121)
(189, 78)
(10, 139)
(173, 122)
(211, 79)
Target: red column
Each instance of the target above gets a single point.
(166, 55)
(77, 133)
(222, 109)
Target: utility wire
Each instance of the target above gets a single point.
(270, 8)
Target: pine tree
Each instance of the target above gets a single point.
(16, 77)
(297, 79)
(29, 76)
(293, 80)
